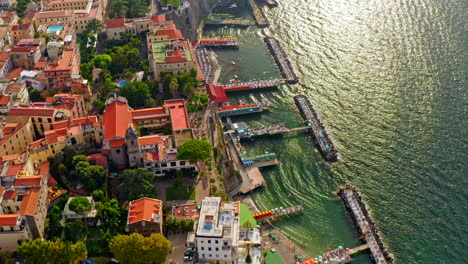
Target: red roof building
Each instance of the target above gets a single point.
(114, 23)
(216, 93)
(145, 216)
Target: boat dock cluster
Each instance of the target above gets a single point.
(231, 87)
(312, 120)
(281, 59)
(365, 225)
(260, 17)
(219, 43)
(204, 62)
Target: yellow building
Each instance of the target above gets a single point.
(15, 137)
(172, 56)
(68, 4)
(41, 118)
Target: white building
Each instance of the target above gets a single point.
(220, 239)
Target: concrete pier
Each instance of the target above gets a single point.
(281, 59)
(252, 85)
(260, 17)
(365, 225)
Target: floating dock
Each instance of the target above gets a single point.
(218, 43)
(232, 110)
(358, 211)
(286, 69)
(260, 17)
(312, 120)
(252, 85)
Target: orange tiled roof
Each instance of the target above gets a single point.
(53, 136)
(178, 115)
(4, 99)
(32, 111)
(28, 181)
(53, 14)
(143, 210)
(4, 55)
(64, 63)
(149, 140)
(10, 195)
(8, 219)
(116, 120)
(2, 191)
(115, 23)
(14, 88)
(37, 143)
(30, 200)
(14, 73)
(117, 142)
(158, 19)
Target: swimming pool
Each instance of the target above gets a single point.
(54, 29)
(122, 83)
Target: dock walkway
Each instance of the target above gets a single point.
(281, 59)
(229, 22)
(219, 43)
(361, 219)
(268, 130)
(251, 85)
(260, 17)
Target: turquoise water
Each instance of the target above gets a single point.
(389, 81)
(122, 83)
(54, 29)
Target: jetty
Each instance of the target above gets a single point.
(281, 58)
(243, 132)
(277, 212)
(365, 226)
(260, 17)
(235, 22)
(218, 43)
(232, 110)
(312, 120)
(251, 85)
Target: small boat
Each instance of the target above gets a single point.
(233, 62)
(233, 69)
(240, 102)
(235, 76)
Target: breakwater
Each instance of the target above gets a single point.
(257, 12)
(365, 226)
(312, 120)
(281, 58)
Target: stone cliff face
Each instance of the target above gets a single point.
(189, 16)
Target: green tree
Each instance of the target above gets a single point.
(248, 259)
(137, 183)
(80, 205)
(102, 61)
(194, 150)
(174, 87)
(55, 252)
(135, 248)
(94, 26)
(79, 158)
(99, 195)
(53, 226)
(35, 95)
(138, 94)
(111, 216)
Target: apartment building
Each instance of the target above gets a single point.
(15, 137)
(22, 31)
(18, 91)
(6, 63)
(41, 118)
(145, 216)
(23, 202)
(26, 53)
(115, 28)
(173, 56)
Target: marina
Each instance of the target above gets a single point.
(359, 213)
(312, 120)
(260, 17)
(281, 58)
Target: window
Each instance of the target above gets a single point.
(217, 249)
(209, 249)
(202, 248)
(209, 241)
(225, 243)
(210, 255)
(216, 241)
